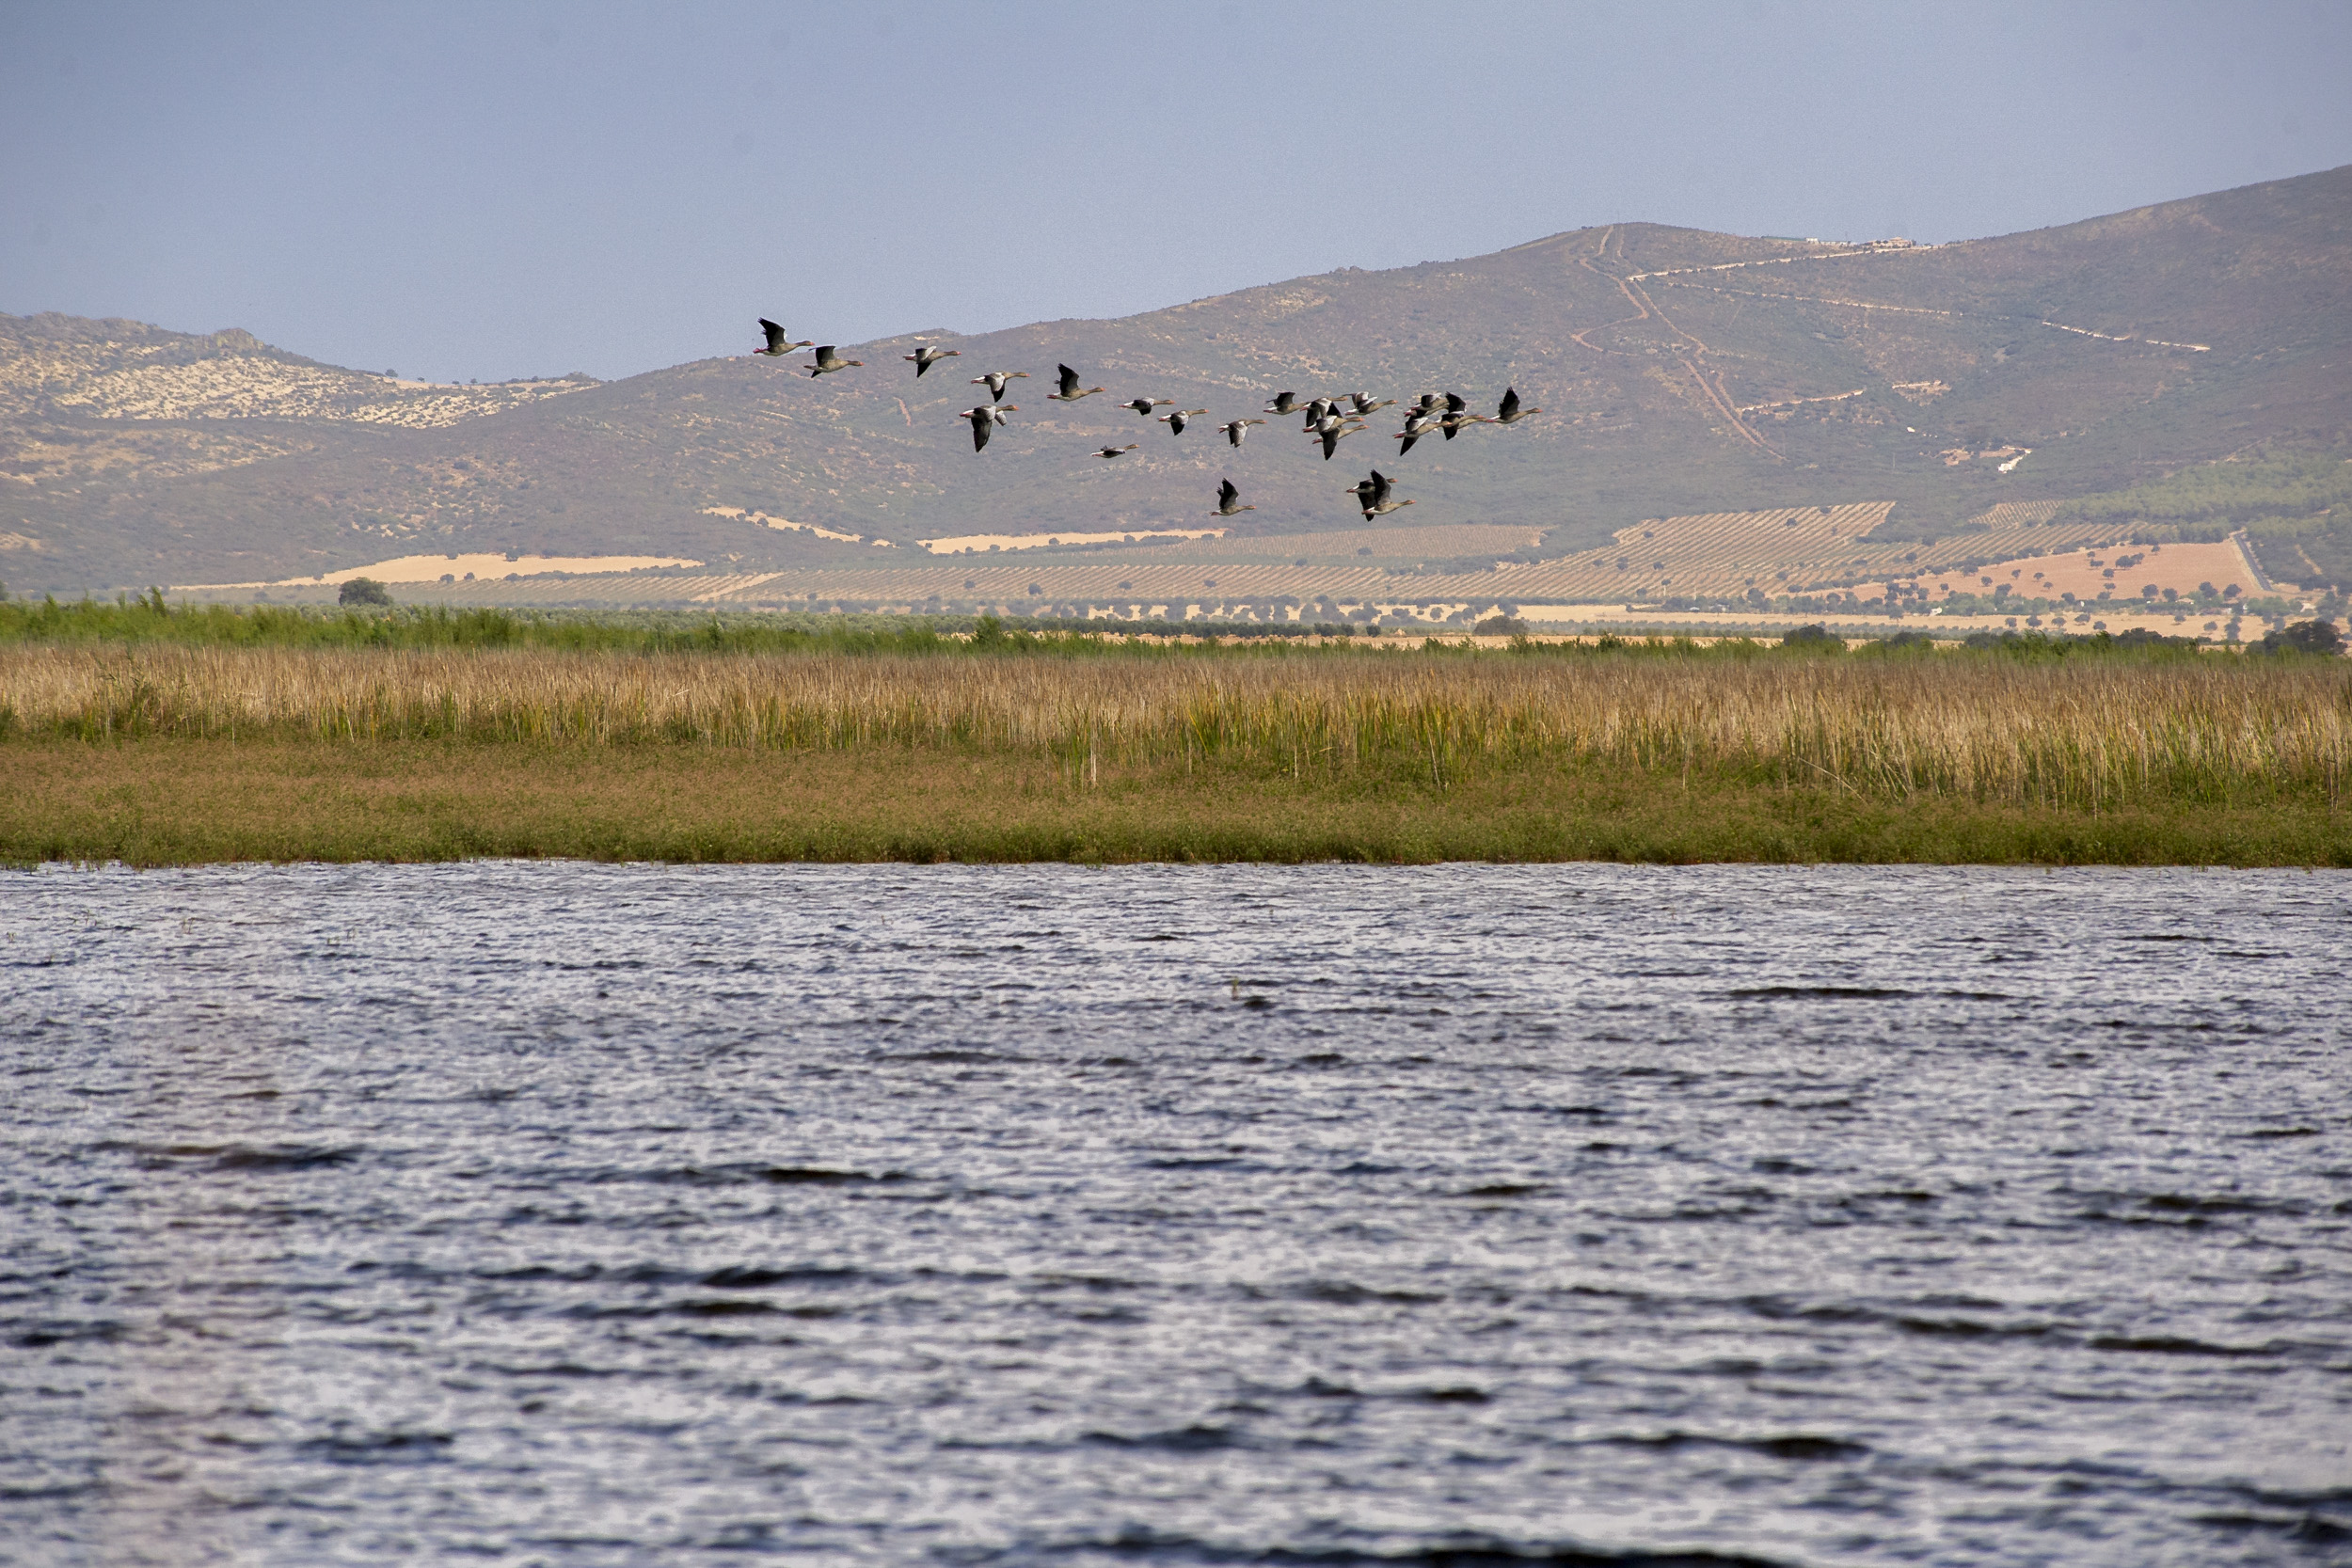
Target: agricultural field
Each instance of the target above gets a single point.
(2125, 573)
(1789, 550)
(2009, 514)
(1646, 619)
(647, 589)
(989, 543)
(1398, 544)
(1731, 556)
(459, 568)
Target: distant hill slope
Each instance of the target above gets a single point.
(129, 372)
(1682, 373)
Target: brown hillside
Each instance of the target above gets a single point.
(1682, 373)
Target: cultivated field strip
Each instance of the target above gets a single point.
(1723, 568)
(1795, 532)
(1086, 582)
(1785, 550)
(1722, 554)
(2088, 574)
(601, 588)
(1780, 552)
(1439, 541)
(2088, 733)
(2019, 513)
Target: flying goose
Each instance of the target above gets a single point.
(1176, 422)
(1373, 496)
(1145, 405)
(828, 361)
(924, 357)
(1457, 414)
(1114, 452)
(985, 419)
(779, 341)
(1328, 430)
(1235, 431)
(1510, 412)
(995, 381)
(1284, 402)
(1071, 391)
(1417, 424)
(1365, 407)
(1226, 496)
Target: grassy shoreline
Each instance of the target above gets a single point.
(171, 801)
(160, 752)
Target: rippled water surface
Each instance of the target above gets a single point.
(606, 1215)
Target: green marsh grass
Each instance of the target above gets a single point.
(158, 802)
(149, 733)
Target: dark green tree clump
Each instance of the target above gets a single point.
(2303, 636)
(2141, 637)
(1815, 639)
(2043, 644)
(364, 591)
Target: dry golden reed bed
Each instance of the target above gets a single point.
(2083, 733)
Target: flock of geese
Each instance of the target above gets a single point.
(1329, 419)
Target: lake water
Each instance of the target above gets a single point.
(565, 1214)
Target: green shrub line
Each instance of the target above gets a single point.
(149, 618)
(363, 622)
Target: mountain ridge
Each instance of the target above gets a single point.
(1683, 372)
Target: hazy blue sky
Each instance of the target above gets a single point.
(490, 190)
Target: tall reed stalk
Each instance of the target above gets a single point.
(2092, 734)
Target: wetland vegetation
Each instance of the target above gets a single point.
(155, 734)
